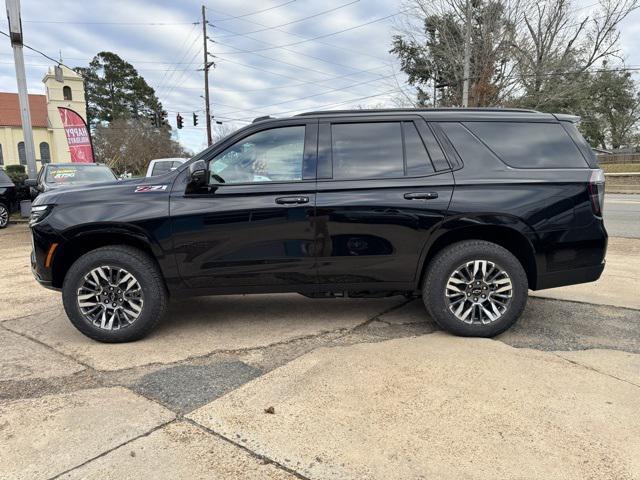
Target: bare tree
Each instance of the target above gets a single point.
(430, 45)
(128, 145)
(556, 45)
(223, 130)
(528, 52)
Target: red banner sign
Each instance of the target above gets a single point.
(77, 136)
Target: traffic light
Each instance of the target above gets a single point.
(179, 120)
(195, 119)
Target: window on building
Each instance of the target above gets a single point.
(66, 92)
(45, 153)
(1, 157)
(22, 155)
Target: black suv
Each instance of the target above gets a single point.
(467, 208)
(7, 198)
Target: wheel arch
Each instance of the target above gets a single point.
(84, 242)
(513, 239)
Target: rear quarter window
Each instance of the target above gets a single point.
(529, 145)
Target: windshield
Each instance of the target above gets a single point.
(72, 174)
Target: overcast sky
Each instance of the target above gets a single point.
(336, 59)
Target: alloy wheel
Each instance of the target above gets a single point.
(479, 292)
(4, 216)
(110, 298)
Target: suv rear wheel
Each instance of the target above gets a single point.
(114, 294)
(475, 288)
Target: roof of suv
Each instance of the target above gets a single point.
(450, 114)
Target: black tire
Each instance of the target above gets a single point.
(148, 276)
(451, 258)
(5, 215)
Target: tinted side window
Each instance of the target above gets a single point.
(585, 148)
(468, 147)
(418, 161)
(367, 150)
(529, 145)
(270, 155)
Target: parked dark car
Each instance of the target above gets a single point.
(467, 208)
(7, 198)
(56, 175)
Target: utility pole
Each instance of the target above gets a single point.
(15, 30)
(207, 64)
(435, 92)
(467, 56)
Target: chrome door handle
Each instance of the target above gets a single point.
(291, 200)
(421, 196)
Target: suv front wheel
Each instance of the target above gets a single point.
(114, 294)
(475, 288)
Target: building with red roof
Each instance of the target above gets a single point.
(48, 132)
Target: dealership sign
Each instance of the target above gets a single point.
(77, 136)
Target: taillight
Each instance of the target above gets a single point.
(596, 192)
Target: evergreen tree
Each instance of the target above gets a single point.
(115, 90)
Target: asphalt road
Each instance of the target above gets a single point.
(622, 215)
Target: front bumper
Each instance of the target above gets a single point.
(43, 237)
(45, 282)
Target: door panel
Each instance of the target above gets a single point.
(243, 236)
(368, 232)
(254, 225)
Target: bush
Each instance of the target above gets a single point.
(17, 174)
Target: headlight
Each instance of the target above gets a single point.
(38, 213)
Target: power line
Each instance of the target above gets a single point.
(182, 58)
(291, 85)
(330, 62)
(58, 62)
(324, 12)
(301, 67)
(380, 19)
(337, 47)
(255, 12)
(126, 24)
(330, 104)
(261, 107)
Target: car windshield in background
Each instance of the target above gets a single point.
(4, 179)
(163, 167)
(70, 174)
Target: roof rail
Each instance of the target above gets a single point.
(260, 119)
(439, 109)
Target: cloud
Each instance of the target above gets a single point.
(349, 65)
(338, 71)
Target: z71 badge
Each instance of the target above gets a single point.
(150, 188)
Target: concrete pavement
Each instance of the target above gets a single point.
(360, 388)
(618, 285)
(436, 407)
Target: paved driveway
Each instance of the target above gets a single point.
(281, 386)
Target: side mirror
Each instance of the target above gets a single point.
(31, 182)
(198, 174)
